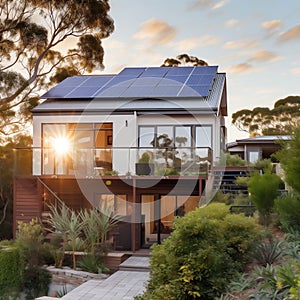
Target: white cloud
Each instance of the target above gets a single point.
(263, 56)
(210, 4)
(231, 22)
(239, 44)
(192, 43)
(291, 34)
(241, 68)
(156, 31)
(295, 71)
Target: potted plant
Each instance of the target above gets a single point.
(144, 165)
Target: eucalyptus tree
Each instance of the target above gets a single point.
(41, 43)
(183, 59)
(279, 120)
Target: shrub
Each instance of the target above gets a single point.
(288, 209)
(36, 282)
(11, 270)
(203, 252)
(30, 242)
(263, 189)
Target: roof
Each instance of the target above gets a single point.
(266, 139)
(152, 88)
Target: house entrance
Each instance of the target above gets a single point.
(157, 215)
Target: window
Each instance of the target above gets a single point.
(116, 203)
(74, 148)
(204, 136)
(182, 136)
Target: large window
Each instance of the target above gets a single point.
(182, 136)
(183, 147)
(117, 204)
(76, 148)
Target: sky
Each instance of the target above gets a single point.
(255, 42)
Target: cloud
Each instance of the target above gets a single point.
(231, 22)
(156, 31)
(271, 25)
(240, 68)
(191, 43)
(210, 4)
(240, 44)
(219, 4)
(263, 56)
(291, 34)
(296, 71)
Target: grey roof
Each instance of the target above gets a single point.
(259, 140)
(62, 97)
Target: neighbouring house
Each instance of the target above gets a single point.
(142, 142)
(251, 150)
(257, 148)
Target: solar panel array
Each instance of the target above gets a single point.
(154, 82)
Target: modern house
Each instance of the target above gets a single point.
(256, 148)
(90, 134)
(251, 150)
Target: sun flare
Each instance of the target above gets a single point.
(61, 145)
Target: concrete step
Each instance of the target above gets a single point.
(135, 264)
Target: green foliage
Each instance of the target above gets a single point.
(7, 159)
(289, 158)
(234, 160)
(30, 242)
(184, 59)
(206, 248)
(219, 197)
(31, 56)
(93, 264)
(36, 282)
(263, 190)
(288, 209)
(11, 266)
(268, 251)
(264, 121)
(265, 165)
(96, 225)
(145, 158)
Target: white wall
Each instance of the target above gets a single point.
(125, 133)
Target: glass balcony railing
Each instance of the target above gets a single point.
(184, 161)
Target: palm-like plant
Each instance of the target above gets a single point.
(58, 221)
(75, 228)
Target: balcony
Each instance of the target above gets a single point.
(114, 161)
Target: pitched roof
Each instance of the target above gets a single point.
(169, 88)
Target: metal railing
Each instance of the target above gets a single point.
(122, 161)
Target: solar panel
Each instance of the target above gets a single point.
(155, 72)
(83, 92)
(151, 81)
(58, 92)
(140, 83)
(138, 91)
(74, 80)
(97, 81)
(165, 91)
(120, 81)
(114, 91)
(132, 72)
(201, 90)
(207, 70)
(180, 79)
(180, 70)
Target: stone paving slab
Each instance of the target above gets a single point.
(122, 285)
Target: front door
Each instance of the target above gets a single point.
(157, 215)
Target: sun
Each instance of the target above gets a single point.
(61, 145)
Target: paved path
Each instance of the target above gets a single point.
(130, 281)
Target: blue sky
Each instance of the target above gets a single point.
(256, 42)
